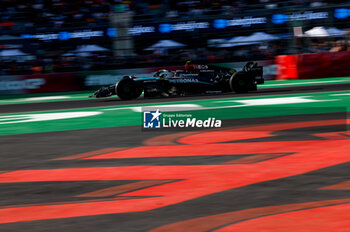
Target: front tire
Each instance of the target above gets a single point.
(128, 89)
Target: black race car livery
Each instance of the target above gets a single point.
(204, 79)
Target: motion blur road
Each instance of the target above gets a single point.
(265, 169)
(113, 101)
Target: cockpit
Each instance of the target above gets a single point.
(164, 73)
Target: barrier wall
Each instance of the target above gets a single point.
(40, 83)
(91, 80)
(75, 81)
(286, 67)
(310, 66)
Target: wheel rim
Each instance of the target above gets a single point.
(126, 89)
(241, 83)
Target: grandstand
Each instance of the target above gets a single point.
(43, 36)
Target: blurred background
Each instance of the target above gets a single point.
(68, 161)
(61, 36)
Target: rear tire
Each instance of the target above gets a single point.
(128, 89)
(239, 82)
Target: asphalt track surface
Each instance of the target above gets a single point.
(30, 193)
(30, 107)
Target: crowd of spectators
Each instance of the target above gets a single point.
(59, 62)
(57, 14)
(327, 46)
(198, 8)
(44, 14)
(107, 60)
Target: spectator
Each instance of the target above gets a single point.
(339, 46)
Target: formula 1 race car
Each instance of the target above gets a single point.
(197, 80)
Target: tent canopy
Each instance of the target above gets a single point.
(12, 52)
(317, 32)
(323, 32)
(262, 36)
(84, 54)
(165, 44)
(255, 38)
(333, 31)
(238, 41)
(90, 48)
(69, 54)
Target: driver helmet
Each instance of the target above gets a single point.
(189, 66)
(163, 73)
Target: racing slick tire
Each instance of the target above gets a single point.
(240, 82)
(127, 89)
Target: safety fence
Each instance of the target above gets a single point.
(309, 66)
